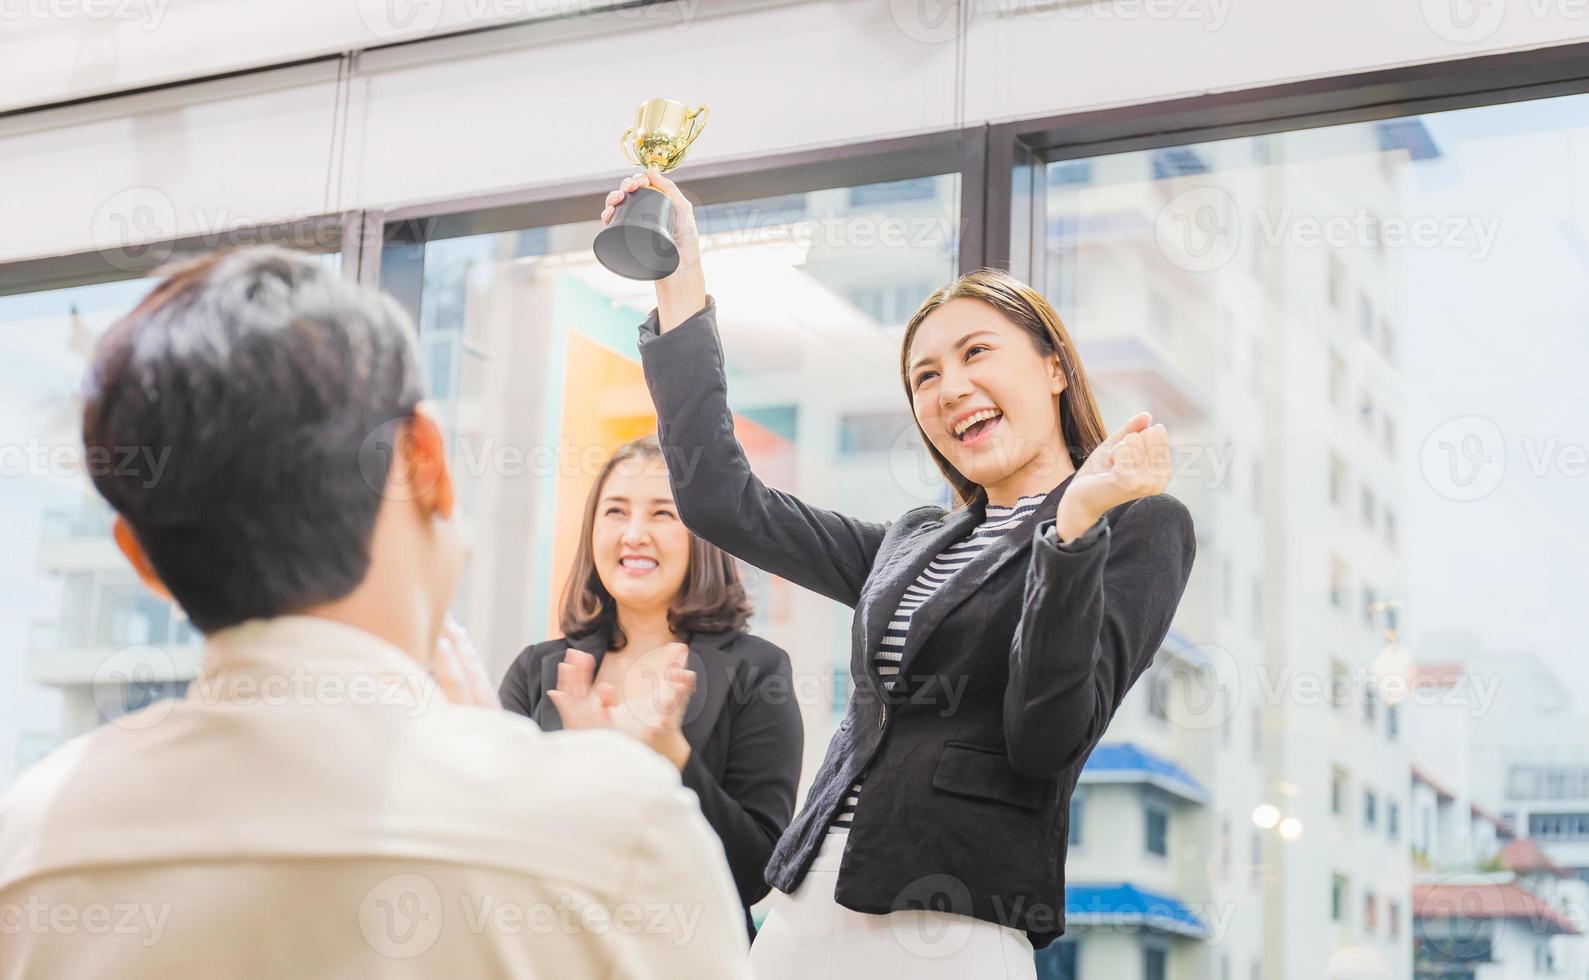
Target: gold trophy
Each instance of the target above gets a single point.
(638, 244)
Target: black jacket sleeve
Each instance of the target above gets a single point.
(521, 685)
(1096, 609)
(718, 496)
(753, 803)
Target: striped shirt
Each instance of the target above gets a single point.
(997, 522)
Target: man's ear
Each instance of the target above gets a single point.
(423, 455)
(130, 546)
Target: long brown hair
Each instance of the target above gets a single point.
(711, 600)
(1080, 422)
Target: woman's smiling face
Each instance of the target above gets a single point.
(641, 548)
(982, 392)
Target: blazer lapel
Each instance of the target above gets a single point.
(967, 581)
(714, 682)
(909, 559)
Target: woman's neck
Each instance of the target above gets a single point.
(644, 629)
(1042, 474)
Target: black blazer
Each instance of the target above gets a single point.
(1010, 672)
(744, 729)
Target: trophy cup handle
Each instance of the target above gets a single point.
(626, 146)
(698, 117)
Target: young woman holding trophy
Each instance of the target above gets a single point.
(932, 842)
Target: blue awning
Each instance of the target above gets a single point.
(1124, 762)
(1127, 905)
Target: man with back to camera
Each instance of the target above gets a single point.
(315, 806)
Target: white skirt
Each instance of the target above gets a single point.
(807, 934)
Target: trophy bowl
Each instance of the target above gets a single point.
(639, 244)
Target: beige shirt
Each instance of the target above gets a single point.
(315, 808)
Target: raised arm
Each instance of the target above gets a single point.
(718, 496)
(1096, 609)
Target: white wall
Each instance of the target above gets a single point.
(544, 102)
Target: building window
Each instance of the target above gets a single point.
(1368, 508)
(1228, 598)
(1340, 691)
(1337, 583)
(1078, 808)
(1257, 607)
(1392, 722)
(1370, 913)
(1224, 845)
(1370, 705)
(1369, 598)
(1334, 282)
(1390, 528)
(1393, 919)
(1156, 828)
(1161, 315)
(1365, 409)
(1337, 380)
(1337, 480)
(1392, 819)
(1387, 428)
(1365, 316)
(1155, 962)
(1337, 897)
(1338, 784)
(1159, 685)
(1370, 809)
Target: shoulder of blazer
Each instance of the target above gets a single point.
(759, 655)
(917, 518)
(1159, 516)
(530, 658)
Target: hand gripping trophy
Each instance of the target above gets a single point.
(638, 244)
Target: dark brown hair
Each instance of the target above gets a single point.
(711, 600)
(276, 390)
(1080, 422)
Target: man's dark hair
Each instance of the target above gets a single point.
(241, 419)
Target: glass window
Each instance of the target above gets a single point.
(1156, 821)
(813, 290)
(1155, 962)
(1387, 246)
(70, 600)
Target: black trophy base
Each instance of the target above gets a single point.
(639, 242)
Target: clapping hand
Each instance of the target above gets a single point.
(650, 709)
(457, 670)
